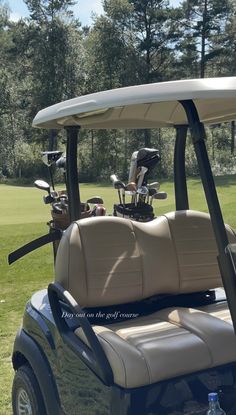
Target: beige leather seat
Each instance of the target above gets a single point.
(108, 261)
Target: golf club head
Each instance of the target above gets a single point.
(48, 199)
(143, 190)
(61, 162)
(151, 191)
(155, 185)
(41, 184)
(57, 209)
(160, 196)
(50, 157)
(95, 200)
(118, 184)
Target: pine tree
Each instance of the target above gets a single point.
(204, 22)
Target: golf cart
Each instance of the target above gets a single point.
(141, 192)
(134, 323)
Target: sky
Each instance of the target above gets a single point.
(83, 9)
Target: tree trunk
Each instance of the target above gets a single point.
(52, 144)
(203, 41)
(147, 138)
(125, 165)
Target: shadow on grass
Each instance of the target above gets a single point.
(225, 181)
(17, 183)
(30, 183)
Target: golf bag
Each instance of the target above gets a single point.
(139, 209)
(143, 212)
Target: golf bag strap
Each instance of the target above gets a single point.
(54, 235)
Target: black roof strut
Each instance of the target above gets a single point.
(225, 258)
(72, 173)
(181, 192)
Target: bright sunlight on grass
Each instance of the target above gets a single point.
(23, 218)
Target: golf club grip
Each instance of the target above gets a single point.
(35, 244)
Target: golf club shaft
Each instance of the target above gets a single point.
(119, 196)
(51, 177)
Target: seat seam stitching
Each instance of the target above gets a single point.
(175, 250)
(137, 347)
(119, 356)
(85, 260)
(147, 365)
(140, 256)
(195, 334)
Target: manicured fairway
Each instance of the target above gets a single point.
(23, 218)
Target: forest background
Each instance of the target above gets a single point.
(49, 57)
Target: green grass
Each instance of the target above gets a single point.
(23, 218)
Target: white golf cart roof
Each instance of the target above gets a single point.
(145, 106)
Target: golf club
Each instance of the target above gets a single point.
(140, 176)
(159, 196)
(98, 209)
(151, 191)
(142, 192)
(118, 185)
(42, 185)
(49, 158)
(131, 187)
(61, 164)
(95, 200)
(155, 185)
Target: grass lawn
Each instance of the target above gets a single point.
(23, 218)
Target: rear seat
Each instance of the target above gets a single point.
(108, 261)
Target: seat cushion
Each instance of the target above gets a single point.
(107, 260)
(168, 343)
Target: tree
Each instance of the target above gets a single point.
(53, 42)
(105, 56)
(152, 28)
(9, 102)
(108, 64)
(149, 31)
(205, 22)
(187, 62)
(42, 11)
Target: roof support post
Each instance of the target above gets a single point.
(72, 173)
(181, 192)
(225, 263)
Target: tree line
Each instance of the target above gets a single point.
(49, 57)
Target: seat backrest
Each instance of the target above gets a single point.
(108, 260)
